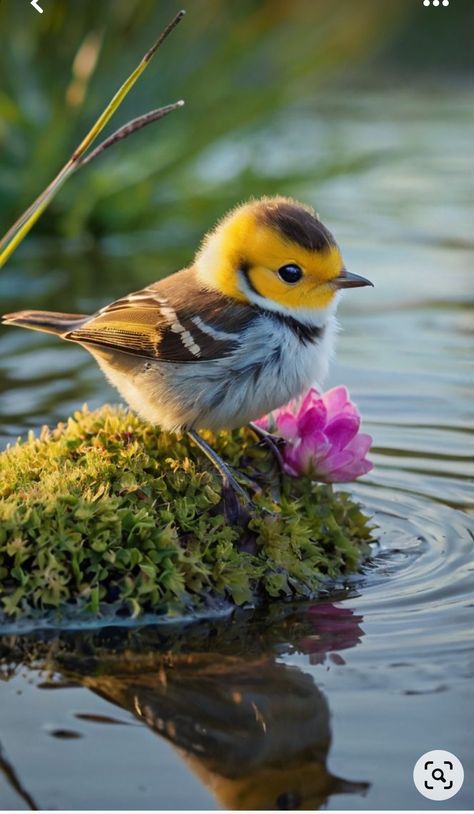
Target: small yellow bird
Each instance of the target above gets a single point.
(247, 327)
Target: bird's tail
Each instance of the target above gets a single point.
(47, 321)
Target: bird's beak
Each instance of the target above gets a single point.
(348, 280)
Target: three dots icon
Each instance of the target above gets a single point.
(436, 2)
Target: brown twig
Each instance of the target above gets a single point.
(164, 34)
(128, 129)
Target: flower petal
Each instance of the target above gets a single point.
(360, 445)
(335, 400)
(310, 398)
(286, 424)
(305, 455)
(291, 458)
(335, 461)
(342, 429)
(351, 472)
(312, 419)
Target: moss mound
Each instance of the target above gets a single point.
(106, 512)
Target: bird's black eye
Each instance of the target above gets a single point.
(290, 273)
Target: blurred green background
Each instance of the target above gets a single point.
(245, 69)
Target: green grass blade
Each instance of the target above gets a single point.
(15, 235)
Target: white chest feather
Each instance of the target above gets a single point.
(271, 366)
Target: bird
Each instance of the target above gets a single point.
(247, 327)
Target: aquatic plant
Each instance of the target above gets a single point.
(322, 437)
(106, 514)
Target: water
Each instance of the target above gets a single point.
(269, 710)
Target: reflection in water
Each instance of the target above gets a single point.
(14, 781)
(254, 730)
(256, 733)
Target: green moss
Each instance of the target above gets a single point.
(107, 512)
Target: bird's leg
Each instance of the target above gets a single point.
(271, 441)
(231, 489)
(224, 471)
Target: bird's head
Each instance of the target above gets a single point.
(275, 253)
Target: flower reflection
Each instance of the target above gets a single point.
(336, 628)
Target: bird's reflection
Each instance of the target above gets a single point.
(255, 730)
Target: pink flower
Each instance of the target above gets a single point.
(322, 436)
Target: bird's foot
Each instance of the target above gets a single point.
(237, 504)
(236, 501)
(273, 442)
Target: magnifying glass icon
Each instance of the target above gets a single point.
(437, 774)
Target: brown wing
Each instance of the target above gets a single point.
(174, 320)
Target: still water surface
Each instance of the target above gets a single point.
(295, 707)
